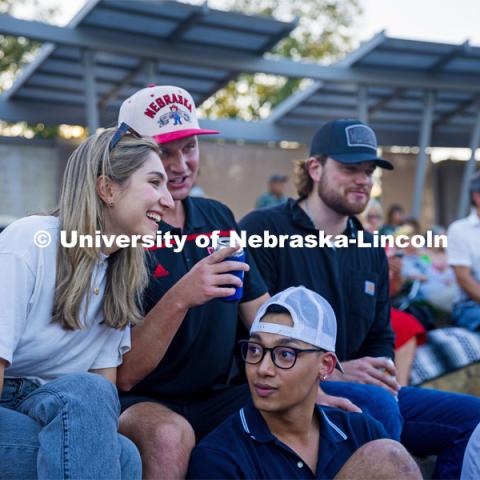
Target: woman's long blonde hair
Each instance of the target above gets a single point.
(80, 208)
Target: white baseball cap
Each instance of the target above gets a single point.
(314, 320)
(165, 112)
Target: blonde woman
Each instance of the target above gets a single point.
(65, 313)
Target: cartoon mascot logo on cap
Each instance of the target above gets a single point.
(174, 114)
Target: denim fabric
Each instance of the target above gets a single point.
(467, 315)
(434, 422)
(375, 401)
(66, 428)
(471, 461)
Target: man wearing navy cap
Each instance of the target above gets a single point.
(281, 433)
(334, 185)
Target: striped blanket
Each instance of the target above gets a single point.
(447, 349)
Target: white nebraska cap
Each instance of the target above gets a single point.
(166, 113)
(313, 318)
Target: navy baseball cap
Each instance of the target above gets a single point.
(278, 178)
(347, 141)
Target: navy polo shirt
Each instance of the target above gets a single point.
(201, 355)
(354, 280)
(244, 447)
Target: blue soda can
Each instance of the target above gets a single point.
(238, 256)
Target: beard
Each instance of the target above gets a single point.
(338, 203)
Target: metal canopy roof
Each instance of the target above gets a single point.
(410, 92)
(57, 76)
(395, 112)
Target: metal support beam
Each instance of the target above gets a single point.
(283, 33)
(458, 110)
(469, 168)
(189, 22)
(90, 91)
(424, 142)
(362, 108)
(125, 82)
(55, 114)
(150, 70)
(455, 51)
(397, 93)
(364, 49)
(218, 58)
(293, 101)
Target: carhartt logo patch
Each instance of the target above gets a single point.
(369, 288)
(160, 271)
(361, 136)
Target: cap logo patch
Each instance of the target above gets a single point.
(164, 100)
(361, 136)
(175, 114)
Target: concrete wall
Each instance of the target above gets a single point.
(398, 186)
(30, 175)
(28, 178)
(238, 174)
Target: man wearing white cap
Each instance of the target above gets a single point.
(181, 378)
(281, 433)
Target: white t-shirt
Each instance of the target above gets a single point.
(33, 346)
(463, 247)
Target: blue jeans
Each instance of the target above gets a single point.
(66, 428)
(434, 422)
(467, 315)
(375, 401)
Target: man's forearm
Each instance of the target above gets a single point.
(151, 339)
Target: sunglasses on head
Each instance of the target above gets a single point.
(122, 130)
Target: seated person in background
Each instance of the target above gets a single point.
(275, 194)
(395, 217)
(282, 433)
(437, 287)
(372, 217)
(442, 287)
(464, 256)
(409, 332)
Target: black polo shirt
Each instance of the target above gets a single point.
(354, 280)
(201, 355)
(244, 447)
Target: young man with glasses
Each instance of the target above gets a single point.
(281, 432)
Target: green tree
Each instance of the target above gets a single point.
(15, 52)
(322, 34)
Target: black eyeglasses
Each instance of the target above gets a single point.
(282, 357)
(122, 130)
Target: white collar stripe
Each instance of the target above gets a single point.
(340, 432)
(244, 421)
